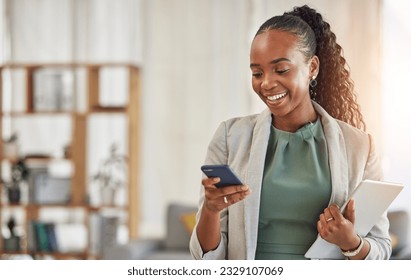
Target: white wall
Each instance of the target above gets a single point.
(397, 97)
(2, 29)
(195, 74)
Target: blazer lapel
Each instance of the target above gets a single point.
(254, 178)
(337, 156)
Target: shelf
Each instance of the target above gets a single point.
(68, 65)
(61, 256)
(87, 207)
(94, 109)
(40, 113)
(101, 109)
(54, 255)
(15, 112)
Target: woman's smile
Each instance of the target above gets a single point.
(277, 96)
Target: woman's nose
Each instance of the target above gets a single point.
(269, 82)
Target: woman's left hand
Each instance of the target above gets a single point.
(338, 228)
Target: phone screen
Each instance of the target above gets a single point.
(224, 172)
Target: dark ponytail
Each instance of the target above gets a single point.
(335, 89)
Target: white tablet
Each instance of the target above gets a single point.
(372, 199)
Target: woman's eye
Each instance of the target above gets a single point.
(257, 74)
(281, 71)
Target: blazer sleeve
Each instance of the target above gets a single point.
(217, 153)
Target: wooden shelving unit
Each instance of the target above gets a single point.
(79, 198)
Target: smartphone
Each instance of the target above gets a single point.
(224, 172)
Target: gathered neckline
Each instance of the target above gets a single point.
(309, 130)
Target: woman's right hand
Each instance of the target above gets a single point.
(217, 199)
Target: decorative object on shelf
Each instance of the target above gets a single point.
(53, 89)
(19, 174)
(67, 151)
(104, 233)
(11, 147)
(46, 189)
(12, 243)
(13, 192)
(111, 176)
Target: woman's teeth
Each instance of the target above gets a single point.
(276, 97)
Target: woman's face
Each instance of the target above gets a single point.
(281, 73)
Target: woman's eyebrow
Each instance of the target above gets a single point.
(271, 62)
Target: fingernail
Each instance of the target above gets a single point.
(244, 188)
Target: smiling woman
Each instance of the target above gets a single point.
(298, 159)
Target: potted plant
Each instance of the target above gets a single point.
(111, 176)
(19, 174)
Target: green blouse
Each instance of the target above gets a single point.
(295, 190)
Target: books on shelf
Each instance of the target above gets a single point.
(42, 237)
(49, 237)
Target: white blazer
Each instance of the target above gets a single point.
(242, 144)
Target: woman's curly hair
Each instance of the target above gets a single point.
(335, 89)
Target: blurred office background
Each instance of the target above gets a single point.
(194, 56)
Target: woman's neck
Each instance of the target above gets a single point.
(294, 121)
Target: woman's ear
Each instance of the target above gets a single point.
(314, 66)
